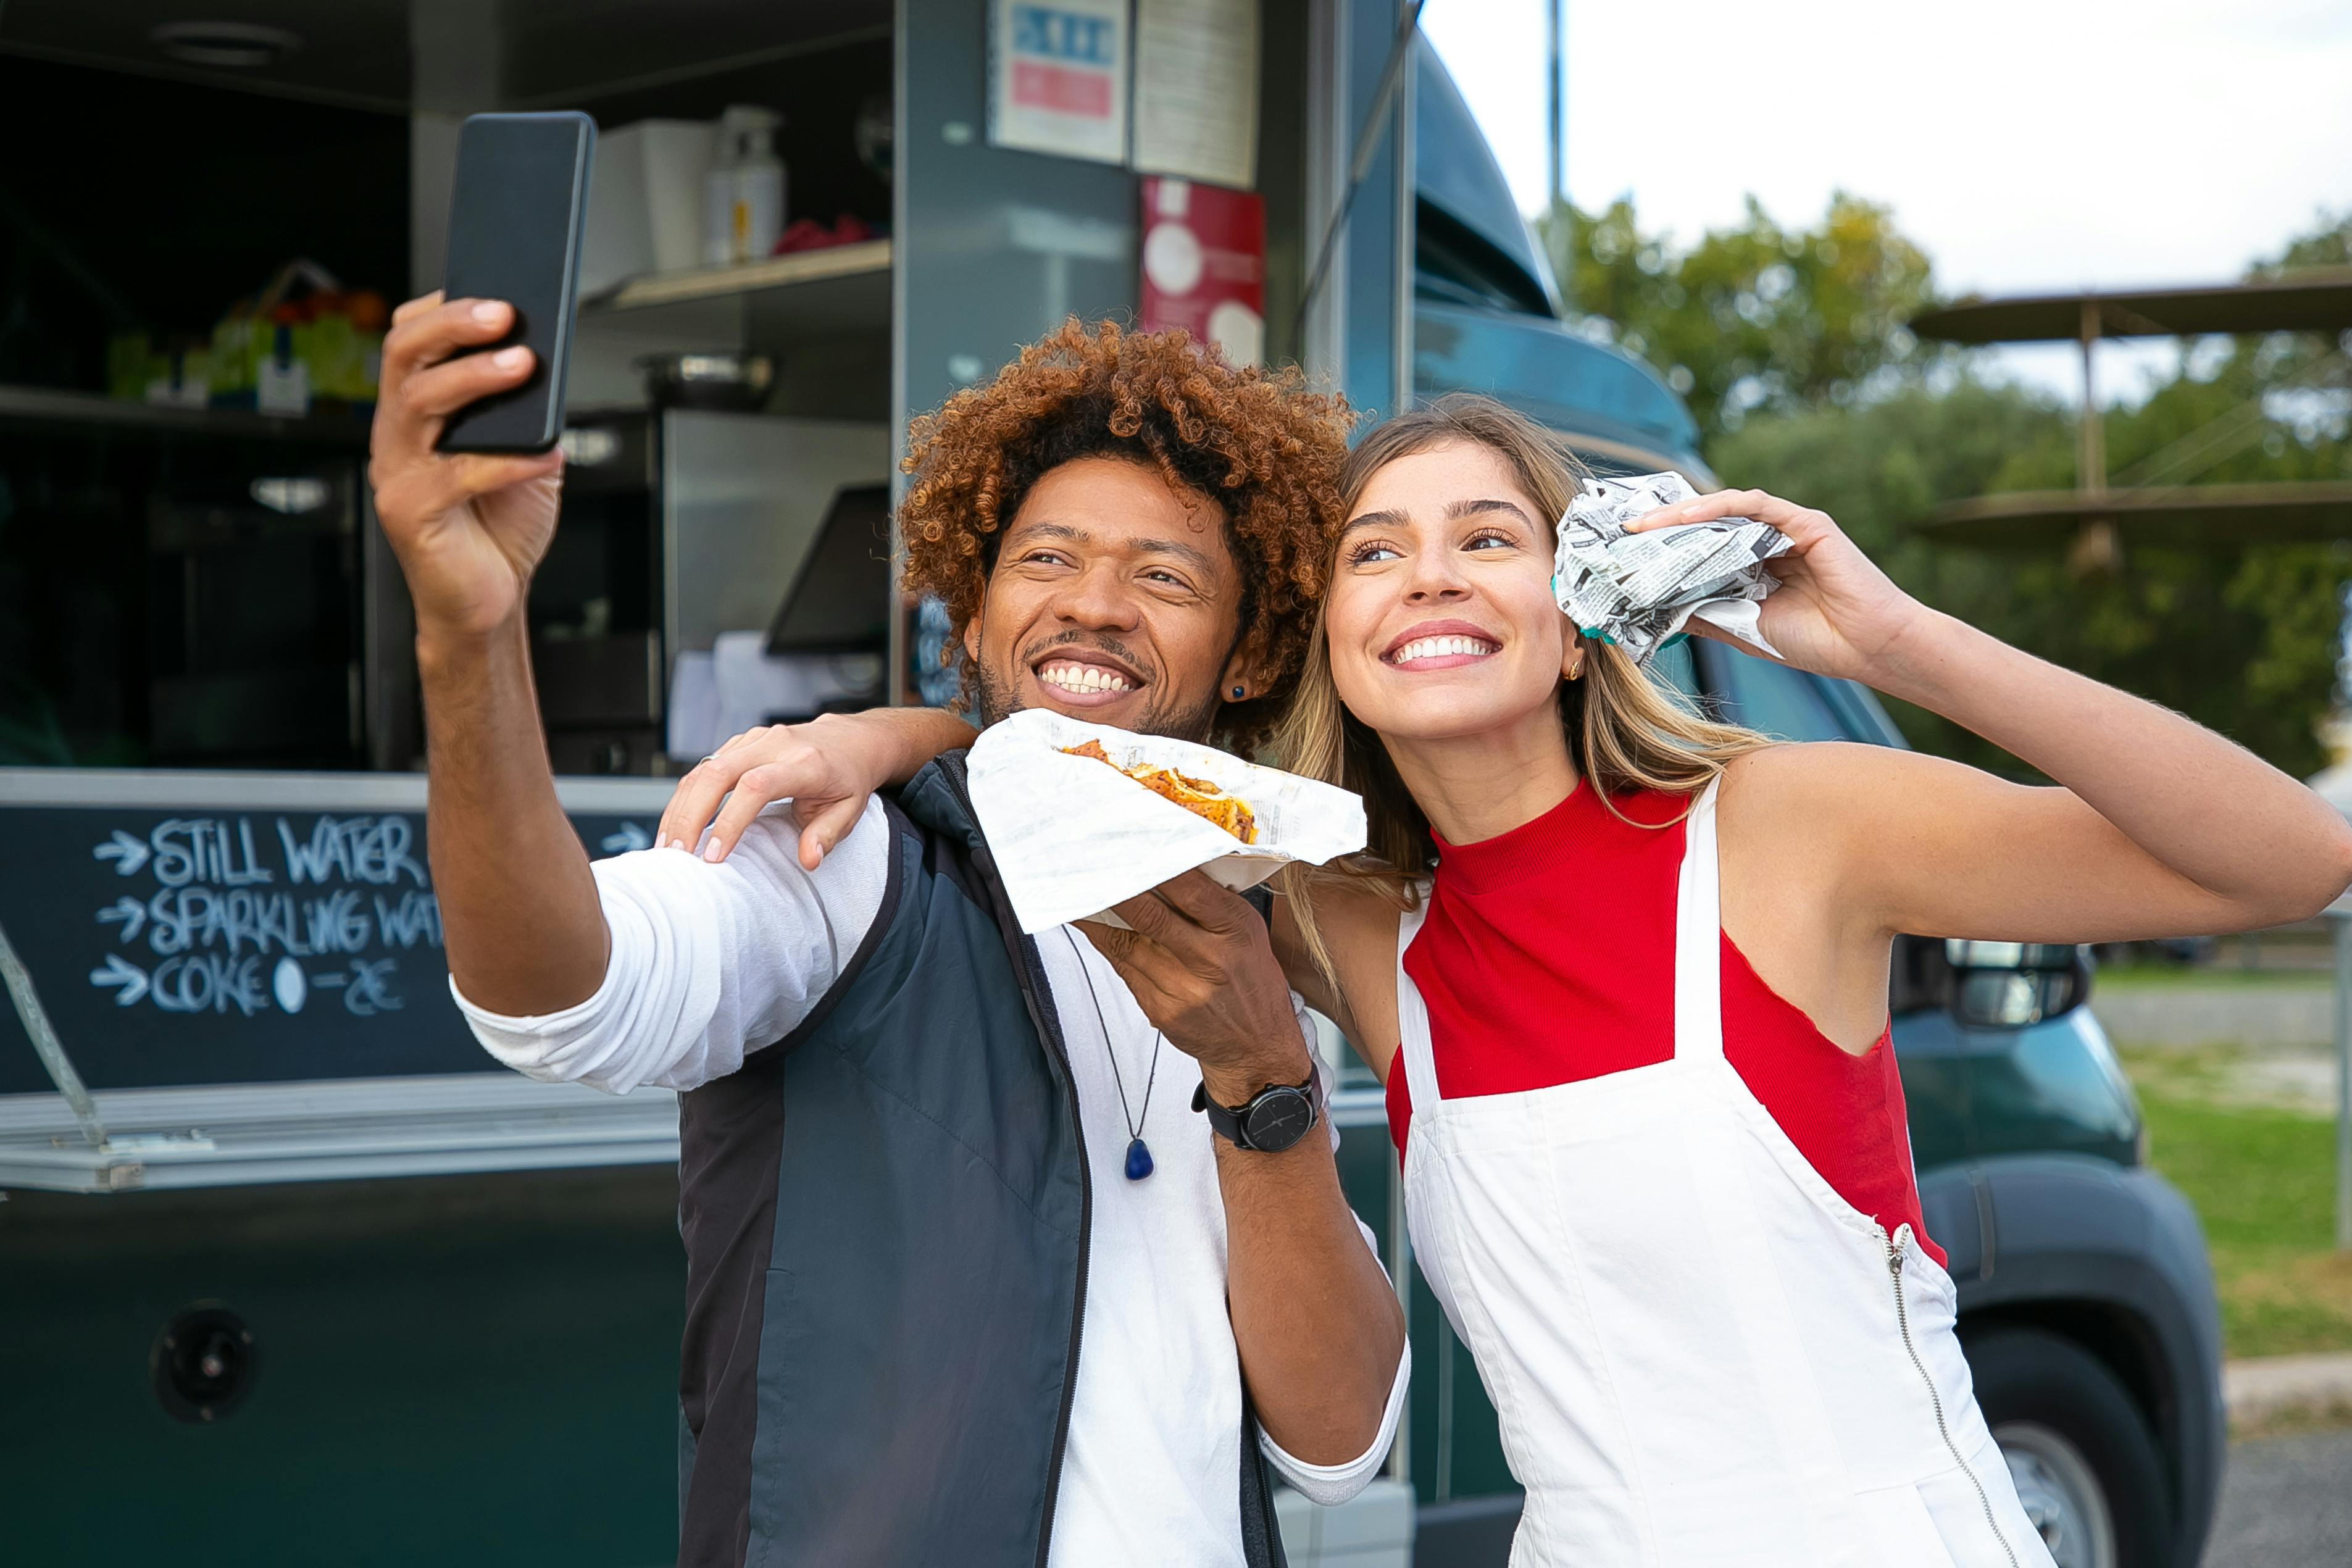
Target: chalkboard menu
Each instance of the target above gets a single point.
(218, 944)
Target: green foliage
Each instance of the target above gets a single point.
(2245, 643)
(1789, 346)
(2328, 245)
(1755, 317)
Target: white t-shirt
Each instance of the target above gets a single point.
(706, 958)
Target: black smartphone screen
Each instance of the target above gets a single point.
(515, 223)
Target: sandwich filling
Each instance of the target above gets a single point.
(1199, 796)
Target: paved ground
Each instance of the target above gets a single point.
(2300, 1012)
(2286, 1502)
(2261, 1391)
(2276, 1075)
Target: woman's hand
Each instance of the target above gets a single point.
(1836, 613)
(827, 769)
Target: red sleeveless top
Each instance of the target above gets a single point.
(1548, 956)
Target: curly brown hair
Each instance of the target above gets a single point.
(1258, 442)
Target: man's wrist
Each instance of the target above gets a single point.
(455, 649)
(1235, 1084)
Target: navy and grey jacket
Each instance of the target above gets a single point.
(886, 1217)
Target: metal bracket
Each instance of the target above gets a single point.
(46, 1044)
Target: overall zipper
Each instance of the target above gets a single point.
(1895, 1246)
(1036, 992)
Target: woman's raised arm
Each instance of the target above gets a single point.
(827, 769)
(2160, 826)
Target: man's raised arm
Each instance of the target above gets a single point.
(520, 914)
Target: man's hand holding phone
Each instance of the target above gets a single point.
(469, 527)
(467, 477)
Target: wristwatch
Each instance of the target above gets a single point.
(1276, 1117)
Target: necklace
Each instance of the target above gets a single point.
(1138, 1153)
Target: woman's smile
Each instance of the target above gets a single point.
(1440, 645)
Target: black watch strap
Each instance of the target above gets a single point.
(1276, 1117)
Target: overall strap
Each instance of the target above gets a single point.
(1698, 938)
(1412, 1017)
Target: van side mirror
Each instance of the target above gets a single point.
(2009, 984)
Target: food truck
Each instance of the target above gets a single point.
(293, 1272)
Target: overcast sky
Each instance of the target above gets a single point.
(2028, 145)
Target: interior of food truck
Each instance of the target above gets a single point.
(189, 576)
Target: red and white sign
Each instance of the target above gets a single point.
(1058, 74)
(1204, 265)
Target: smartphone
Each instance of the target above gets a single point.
(515, 223)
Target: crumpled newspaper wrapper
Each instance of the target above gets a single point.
(1638, 589)
(1072, 836)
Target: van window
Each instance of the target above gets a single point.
(1865, 717)
(1675, 665)
(1785, 703)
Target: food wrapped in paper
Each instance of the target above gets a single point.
(1638, 589)
(1081, 817)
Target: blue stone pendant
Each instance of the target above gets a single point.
(1139, 1160)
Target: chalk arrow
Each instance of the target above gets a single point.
(130, 912)
(129, 976)
(631, 837)
(127, 853)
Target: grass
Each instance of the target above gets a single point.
(2263, 1179)
(2293, 1421)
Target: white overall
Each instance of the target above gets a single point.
(1699, 1351)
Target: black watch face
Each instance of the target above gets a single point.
(1277, 1119)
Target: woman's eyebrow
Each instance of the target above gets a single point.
(1456, 510)
(1374, 519)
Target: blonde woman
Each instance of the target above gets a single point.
(1625, 973)
(1636, 967)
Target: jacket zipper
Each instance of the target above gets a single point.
(1895, 1246)
(1035, 978)
(1034, 989)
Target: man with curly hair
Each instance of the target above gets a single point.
(968, 1283)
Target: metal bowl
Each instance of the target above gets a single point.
(722, 381)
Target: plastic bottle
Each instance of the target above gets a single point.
(719, 196)
(743, 205)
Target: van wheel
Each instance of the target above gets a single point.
(2084, 1460)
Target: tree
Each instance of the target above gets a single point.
(2245, 642)
(1789, 347)
(1758, 317)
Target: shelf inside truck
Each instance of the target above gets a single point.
(839, 271)
(51, 406)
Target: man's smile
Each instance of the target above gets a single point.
(1086, 677)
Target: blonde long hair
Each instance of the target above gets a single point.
(1625, 731)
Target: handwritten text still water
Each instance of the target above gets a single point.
(254, 914)
(249, 918)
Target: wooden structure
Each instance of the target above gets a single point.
(2094, 517)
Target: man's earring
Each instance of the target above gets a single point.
(1238, 691)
